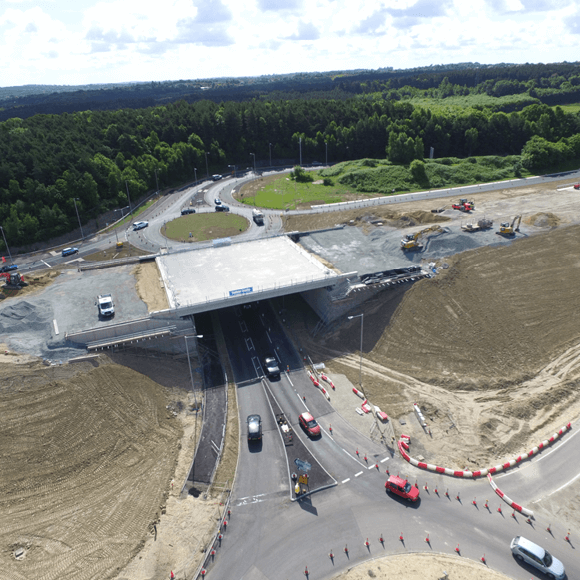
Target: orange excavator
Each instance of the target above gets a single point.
(13, 280)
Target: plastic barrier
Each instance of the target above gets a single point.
(510, 502)
(405, 440)
(358, 393)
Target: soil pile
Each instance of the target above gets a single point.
(87, 453)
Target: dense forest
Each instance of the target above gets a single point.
(94, 156)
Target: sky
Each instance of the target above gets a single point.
(73, 42)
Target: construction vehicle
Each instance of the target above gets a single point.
(13, 280)
(105, 305)
(507, 229)
(464, 205)
(482, 224)
(411, 241)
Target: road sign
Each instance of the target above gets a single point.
(303, 465)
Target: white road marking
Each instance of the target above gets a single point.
(288, 377)
(346, 480)
(359, 473)
(385, 459)
(559, 489)
(47, 265)
(55, 326)
(268, 335)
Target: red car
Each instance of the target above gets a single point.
(309, 424)
(577, 186)
(402, 487)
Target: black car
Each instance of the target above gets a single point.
(187, 211)
(254, 428)
(222, 208)
(9, 268)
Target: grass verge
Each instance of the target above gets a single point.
(204, 226)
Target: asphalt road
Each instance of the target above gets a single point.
(271, 537)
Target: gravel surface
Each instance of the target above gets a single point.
(28, 324)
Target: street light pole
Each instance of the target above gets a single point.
(254, 156)
(195, 170)
(234, 169)
(128, 197)
(156, 182)
(6, 244)
(361, 316)
(326, 145)
(206, 165)
(270, 154)
(77, 210)
(189, 362)
(300, 145)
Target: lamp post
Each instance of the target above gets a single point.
(361, 316)
(206, 165)
(128, 197)
(77, 210)
(254, 156)
(6, 244)
(326, 145)
(189, 362)
(300, 145)
(234, 169)
(195, 170)
(121, 210)
(270, 145)
(156, 182)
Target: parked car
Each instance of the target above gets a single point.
(69, 251)
(271, 367)
(187, 210)
(217, 201)
(526, 551)
(140, 225)
(254, 427)
(222, 208)
(309, 424)
(9, 268)
(402, 488)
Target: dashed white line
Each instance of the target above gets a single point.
(385, 459)
(359, 473)
(346, 480)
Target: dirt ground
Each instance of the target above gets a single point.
(36, 281)
(150, 286)
(421, 567)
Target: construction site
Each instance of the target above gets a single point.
(487, 342)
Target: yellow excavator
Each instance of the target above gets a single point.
(411, 241)
(507, 229)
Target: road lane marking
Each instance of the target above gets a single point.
(47, 265)
(288, 377)
(55, 326)
(559, 489)
(346, 480)
(359, 473)
(385, 459)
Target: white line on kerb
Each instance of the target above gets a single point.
(359, 473)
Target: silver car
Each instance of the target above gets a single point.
(526, 551)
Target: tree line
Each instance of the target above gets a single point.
(97, 158)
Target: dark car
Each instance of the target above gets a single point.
(271, 367)
(309, 424)
(402, 488)
(69, 251)
(222, 208)
(9, 268)
(217, 201)
(254, 428)
(187, 210)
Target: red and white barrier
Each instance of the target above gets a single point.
(358, 393)
(313, 379)
(327, 380)
(479, 472)
(365, 406)
(510, 502)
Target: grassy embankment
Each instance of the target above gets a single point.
(375, 177)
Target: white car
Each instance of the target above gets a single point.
(140, 225)
(526, 551)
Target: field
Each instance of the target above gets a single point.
(460, 103)
(371, 177)
(205, 226)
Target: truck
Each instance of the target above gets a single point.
(105, 305)
(258, 217)
(482, 224)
